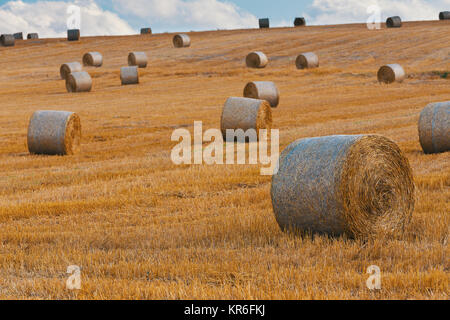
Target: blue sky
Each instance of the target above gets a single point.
(114, 17)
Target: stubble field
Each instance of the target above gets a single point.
(141, 227)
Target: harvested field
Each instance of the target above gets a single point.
(141, 227)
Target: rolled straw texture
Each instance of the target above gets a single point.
(181, 41)
(129, 75)
(79, 82)
(54, 133)
(93, 59)
(391, 73)
(263, 90)
(434, 128)
(358, 185)
(245, 114)
(68, 68)
(138, 59)
(256, 59)
(307, 60)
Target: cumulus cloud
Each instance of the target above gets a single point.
(181, 14)
(49, 18)
(349, 11)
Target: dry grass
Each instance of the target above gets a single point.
(143, 228)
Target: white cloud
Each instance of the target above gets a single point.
(194, 15)
(49, 18)
(349, 11)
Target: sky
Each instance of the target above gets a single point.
(51, 18)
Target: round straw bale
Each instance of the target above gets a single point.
(137, 59)
(32, 36)
(79, 82)
(245, 114)
(263, 90)
(146, 31)
(18, 36)
(93, 59)
(256, 59)
(434, 128)
(391, 73)
(394, 22)
(68, 68)
(7, 40)
(181, 41)
(129, 75)
(73, 35)
(299, 22)
(444, 15)
(307, 60)
(54, 133)
(356, 185)
(264, 23)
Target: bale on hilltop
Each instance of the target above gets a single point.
(434, 128)
(93, 59)
(7, 40)
(256, 59)
(359, 185)
(138, 59)
(79, 82)
(307, 60)
(54, 133)
(32, 36)
(18, 36)
(73, 35)
(245, 114)
(146, 31)
(444, 15)
(264, 23)
(394, 22)
(391, 73)
(68, 68)
(300, 22)
(263, 90)
(181, 41)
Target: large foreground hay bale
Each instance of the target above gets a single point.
(129, 75)
(93, 59)
(181, 41)
(7, 40)
(394, 22)
(54, 133)
(79, 82)
(356, 185)
(137, 59)
(299, 22)
(444, 15)
(307, 60)
(263, 90)
(32, 36)
(18, 36)
(73, 35)
(391, 73)
(68, 68)
(256, 59)
(245, 114)
(434, 128)
(146, 31)
(264, 23)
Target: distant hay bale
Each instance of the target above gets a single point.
(129, 75)
(391, 73)
(434, 128)
(307, 60)
(7, 40)
(18, 36)
(245, 114)
(93, 59)
(32, 36)
(394, 22)
(264, 23)
(181, 41)
(138, 59)
(73, 35)
(54, 133)
(146, 31)
(256, 59)
(79, 82)
(68, 68)
(300, 22)
(263, 90)
(444, 15)
(358, 185)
